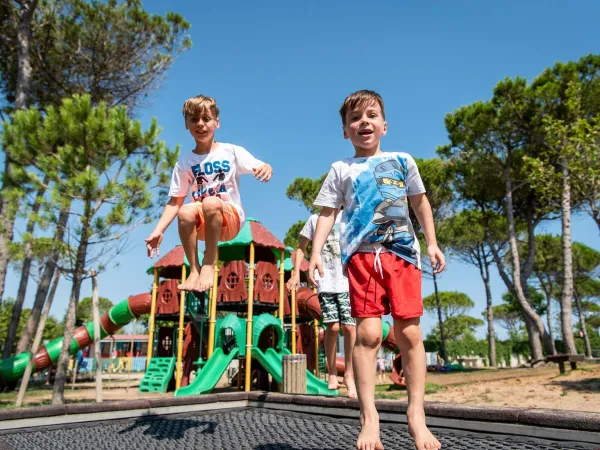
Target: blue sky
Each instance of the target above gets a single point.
(280, 70)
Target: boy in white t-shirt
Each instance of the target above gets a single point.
(382, 257)
(333, 298)
(212, 173)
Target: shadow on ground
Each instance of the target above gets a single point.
(591, 385)
(171, 429)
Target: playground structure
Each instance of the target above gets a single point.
(193, 338)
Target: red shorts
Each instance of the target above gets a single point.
(373, 294)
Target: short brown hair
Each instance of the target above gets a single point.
(197, 105)
(360, 99)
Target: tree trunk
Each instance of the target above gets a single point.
(535, 343)
(24, 70)
(25, 271)
(44, 284)
(548, 294)
(441, 321)
(586, 337)
(485, 274)
(528, 311)
(566, 310)
(8, 207)
(97, 352)
(39, 334)
(63, 360)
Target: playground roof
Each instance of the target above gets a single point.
(169, 266)
(288, 264)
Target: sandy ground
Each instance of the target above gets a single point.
(530, 388)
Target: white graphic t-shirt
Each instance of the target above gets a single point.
(216, 173)
(334, 280)
(374, 194)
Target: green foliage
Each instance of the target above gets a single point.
(454, 306)
(509, 317)
(470, 346)
(84, 309)
(452, 303)
(305, 190)
(292, 237)
(113, 50)
(96, 157)
(53, 328)
(535, 297)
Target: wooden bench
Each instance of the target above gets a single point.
(563, 358)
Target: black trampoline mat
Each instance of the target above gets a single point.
(249, 428)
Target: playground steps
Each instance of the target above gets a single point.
(158, 375)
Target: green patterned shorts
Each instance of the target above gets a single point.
(336, 308)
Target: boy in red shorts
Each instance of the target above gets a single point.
(211, 172)
(382, 257)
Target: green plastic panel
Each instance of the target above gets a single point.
(263, 321)
(238, 326)
(158, 375)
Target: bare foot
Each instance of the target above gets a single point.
(417, 428)
(368, 439)
(207, 274)
(191, 282)
(333, 384)
(349, 382)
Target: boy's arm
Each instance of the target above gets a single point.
(249, 164)
(170, 212)
(324, 226)
(294, 280)
(422, 209)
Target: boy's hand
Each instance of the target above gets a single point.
(437, 259)
(293, 283)
(315, 264)
(153, 243)
(263, 173)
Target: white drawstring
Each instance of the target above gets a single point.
(377, 262)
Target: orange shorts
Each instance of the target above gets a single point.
(396, 289)
(231, 222)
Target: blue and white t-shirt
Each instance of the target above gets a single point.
(374, 193)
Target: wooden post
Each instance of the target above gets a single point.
(152, 314)
(212, 308)
(281, 286)
(180, 330)
(248, 381)
(293, 309)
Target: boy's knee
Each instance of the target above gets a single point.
(348, 330)
(187, 215)
(368, 338)
(333, 327)
(408, 330)
(212, 205)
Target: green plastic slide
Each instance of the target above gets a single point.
(158, 375)
(210, 374)
(273, 363)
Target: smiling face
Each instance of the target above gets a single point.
(365, 125)
(202, 125)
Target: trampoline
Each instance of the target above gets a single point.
(262, 421)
